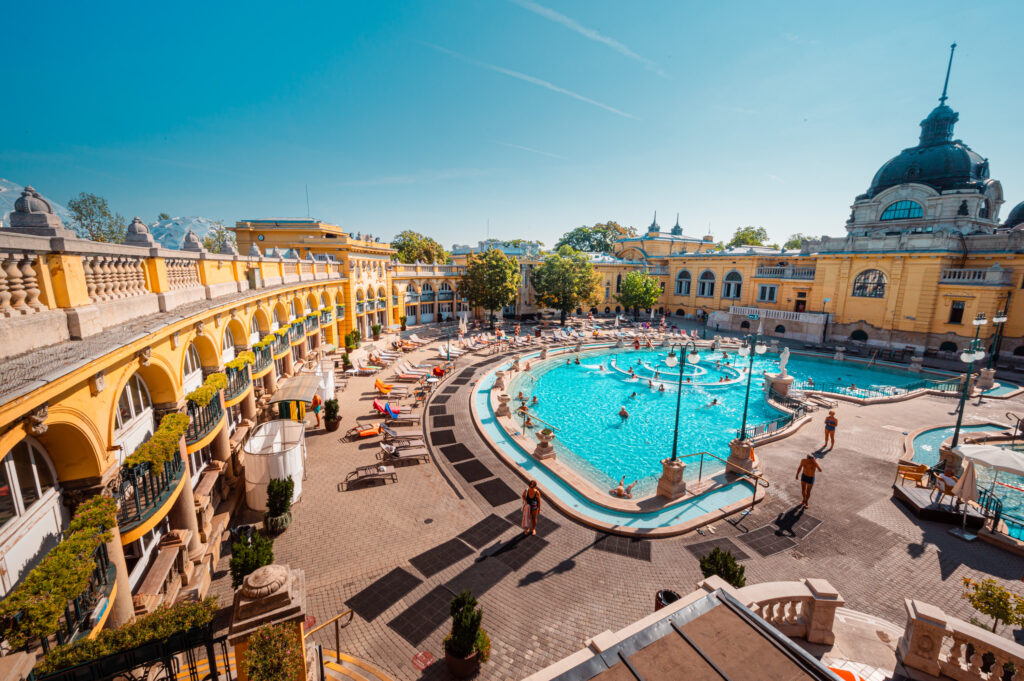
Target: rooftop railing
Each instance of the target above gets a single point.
(785, 272)
(992, 276)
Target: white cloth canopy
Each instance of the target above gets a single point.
(966, 487)
(999, 458)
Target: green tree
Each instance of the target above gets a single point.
(414, 247)
(596, 239)
(998, 602)
(216, 238)
(748, 236)
(91, 219)
(723, 564)
(638, 291)
(246, 558)
(566, 280)
(491, 280)
(796, 241)
(163, 216)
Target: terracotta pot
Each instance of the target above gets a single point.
(376, 336)
(462, 667)
(332, 425)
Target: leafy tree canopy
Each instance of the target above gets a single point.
(748, 236)
(566, 280)
(414, 247)
(163, 216)
(491, 280)
(216, 238)
(797, 240)
(639, 291)
(596, 239)
(91, 218)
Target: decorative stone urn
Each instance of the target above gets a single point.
(544, 449)
(499, 381)
(515, 365)
(915, 363)
(503, 399)
(840, 354)
(986, 380)
(671, 484)
(271, 594)
(579, 346)
(774, 347)
(544, 353)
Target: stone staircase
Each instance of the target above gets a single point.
(338, 666)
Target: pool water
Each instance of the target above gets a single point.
(1008, 488)
(582, 402)
(674, 515)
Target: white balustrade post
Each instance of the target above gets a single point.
(824, 602)
(921, 643)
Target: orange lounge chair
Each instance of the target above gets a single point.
(362, 431)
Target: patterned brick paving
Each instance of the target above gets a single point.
(543, 596)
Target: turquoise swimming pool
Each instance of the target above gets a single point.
(568, 496)
(581, 402)
(1008, 488)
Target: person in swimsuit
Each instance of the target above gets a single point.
(830, 430)
(317, 402)
(805, 474)
(622, 491)
(531, 498)
(623, 414)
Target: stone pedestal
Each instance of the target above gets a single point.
(741, 458)
(915, 363)
(503, 400)
(499, 380)
(986, 379)
(780, 383)
(840, 354)
(774, 347)
(272, 594)
(671, 484)
(544, 449)
(544, 353)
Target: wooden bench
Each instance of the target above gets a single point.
(911, 471)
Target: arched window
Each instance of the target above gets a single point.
(444, 286)
(859, 335)
(950, 346)
(683, 283)
(227, 345)
(903, 210)
(192, 374)
(133, 403)
(744, 324)
(1018, 351)
(427, 288)
(254, 330)
(277, 319)
(26, 478)
(780, 329)
(869, 284)
(295, 311)
(618, 283)
(680, 312)
(732, 285)
(607, 310)
(706, 284)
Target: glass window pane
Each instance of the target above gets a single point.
(144, 392)
(136, 390)
(42, 471)
(7, 510)
(23, 472)
(124, 405)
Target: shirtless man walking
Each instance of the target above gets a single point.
(805, 474)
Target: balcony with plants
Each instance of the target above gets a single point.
(149, 477)
(204, 408)
(263, 356)
(239, 378)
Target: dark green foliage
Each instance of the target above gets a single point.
(279, 495)
(466, 618)
(331, 409)
(91, 218)
(723, 564)
(247, 558)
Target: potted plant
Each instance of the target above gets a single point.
(331, 417)
(346, 361)
(467, 645)
(248, 556)
(279, 503)
(275, 653)
(375, 330)
(402, 320)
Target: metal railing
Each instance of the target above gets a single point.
(757, 431)
(359, 307)
(339, 311)
(949, 385)
(202, 420)
(326, 318)
(142, 490)
(263, 358)
(280, 344)
(296, 331)
(310, 324)
(239, 381)
(992, 276)
(446, 295)
(427, 297)
(338, 626)
(785, 272)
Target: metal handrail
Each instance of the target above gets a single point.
(531, 415)
(338, 626)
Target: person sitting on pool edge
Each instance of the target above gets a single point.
(624, 492)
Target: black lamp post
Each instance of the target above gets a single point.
(752, 346)
(999, 319)
(687, 350)
(969, 356)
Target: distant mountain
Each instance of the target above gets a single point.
(9, 193)
(170, 233)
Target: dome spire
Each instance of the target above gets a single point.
(949, 67)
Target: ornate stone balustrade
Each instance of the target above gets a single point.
(785, 272)
(182, 273)
(785, 315)
(112, 277)
(19, 284)
(940, 645)
(991, 276)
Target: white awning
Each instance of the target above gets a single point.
(999, 458)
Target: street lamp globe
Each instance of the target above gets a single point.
(967, 356)
(744, 350)
(671, 360)
(693, 357)
(760, 348)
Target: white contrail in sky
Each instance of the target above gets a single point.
(531, 150)
(588, 33)
(527, 78)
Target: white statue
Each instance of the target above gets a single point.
(783, 359)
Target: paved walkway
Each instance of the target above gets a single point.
(398, 553)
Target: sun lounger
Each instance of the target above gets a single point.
(417, 340)
(360, 431)
(391, 454)
(367, 474)
(395, 435)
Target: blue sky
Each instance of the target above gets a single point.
(537, 116)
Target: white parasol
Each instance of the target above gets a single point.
(966, 489)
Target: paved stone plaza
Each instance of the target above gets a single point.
(397, 553)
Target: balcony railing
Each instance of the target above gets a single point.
(238, 382)
(202, 420)
(785, 315)
(326, 317)
(280, 344)
(264, 356)
(369, 305)
(310, 324)
(359, 308)
(412, 297)
(382, 303)
(785, 272)
(340, 311)
(446, 295)
(993, 276)
(143, 490)
(427, 297)
(296, 332)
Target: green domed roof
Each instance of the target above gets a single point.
(1016, 216)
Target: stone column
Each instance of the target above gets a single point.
(780, 383)
(986, 380)
(183, 513)
(248, 405)
(671, 483)
(823, 611)
(272, 594)
(921, 643)
(741, 457)
(289, 364)
(270, 380)
(303, 348)
(123, 610)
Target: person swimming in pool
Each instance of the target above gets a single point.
(712, 403)
(623, 414)
(661, 387)
(633, 396)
